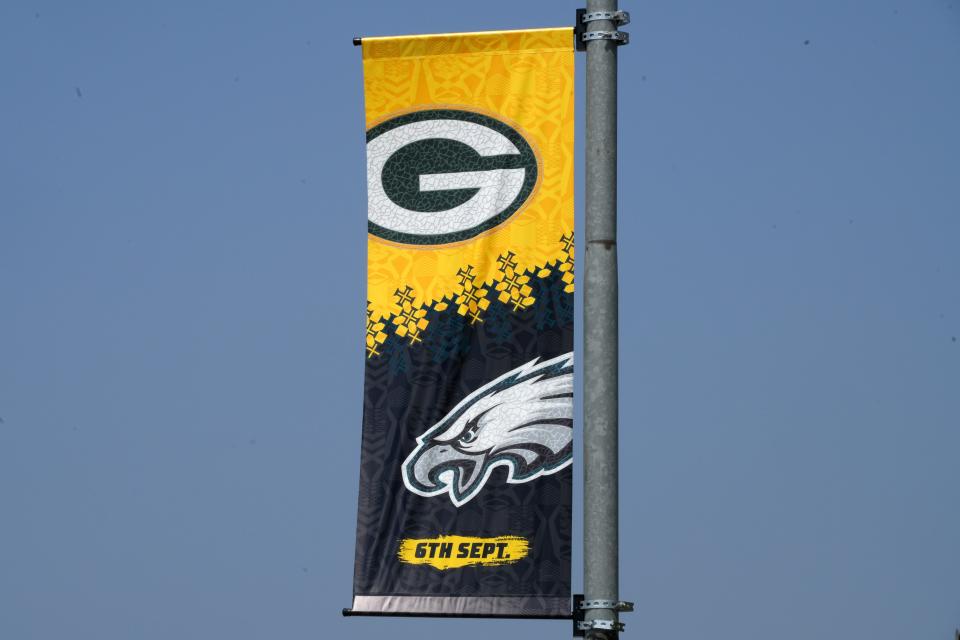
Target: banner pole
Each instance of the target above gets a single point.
(600, 509)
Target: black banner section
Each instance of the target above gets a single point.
(505, 548)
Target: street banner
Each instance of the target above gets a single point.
(465, 474)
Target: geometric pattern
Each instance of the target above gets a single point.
(410, 320)
(472, 299)
(512, 287)
(375, 334)
(567, 265)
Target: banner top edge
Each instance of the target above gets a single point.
(513, 40)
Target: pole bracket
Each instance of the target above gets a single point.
(620, 37)
(581, 36)
(620, 17)
(581, 605)
(613, 605)
(601, 624)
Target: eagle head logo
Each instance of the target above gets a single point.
(522, 420)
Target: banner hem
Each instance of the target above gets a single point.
(463, 606)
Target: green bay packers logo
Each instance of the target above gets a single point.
(445, 175)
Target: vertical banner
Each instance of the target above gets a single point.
(465, 476)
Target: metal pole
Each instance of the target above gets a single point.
(600, 535)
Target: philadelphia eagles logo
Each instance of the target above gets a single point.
(522, 420)
(445, 175)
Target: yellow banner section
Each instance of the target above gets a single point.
(453, 552)
(474, 91)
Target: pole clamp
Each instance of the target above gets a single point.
(613, 605)
(581, 36)
(581, 605)
(620, 37)
(604, 624)
(620, 17)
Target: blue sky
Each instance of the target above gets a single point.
(182, 227)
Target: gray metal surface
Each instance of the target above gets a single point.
(600, 539)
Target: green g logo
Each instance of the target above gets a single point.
(445, 175)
